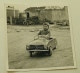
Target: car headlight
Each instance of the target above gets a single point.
(45, 46)
(27, 47)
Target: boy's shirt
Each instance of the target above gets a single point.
(44, 32)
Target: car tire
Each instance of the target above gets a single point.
(54, 48)
(50, 51)
(55, 44)
(30, 53)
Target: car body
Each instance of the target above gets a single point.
(42, 45)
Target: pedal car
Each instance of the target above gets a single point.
(41, 44)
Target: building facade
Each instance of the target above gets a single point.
(52, 14)
(11, 14)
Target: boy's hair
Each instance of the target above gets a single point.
(46, 23)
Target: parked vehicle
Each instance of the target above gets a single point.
(62, 22)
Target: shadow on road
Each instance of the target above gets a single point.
(41, 54)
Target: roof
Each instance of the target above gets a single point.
(33, 9)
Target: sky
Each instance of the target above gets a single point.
(20, 7)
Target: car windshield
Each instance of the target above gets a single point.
(39, 37)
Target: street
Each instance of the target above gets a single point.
(20, 36)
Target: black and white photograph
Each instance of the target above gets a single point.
(39, 37)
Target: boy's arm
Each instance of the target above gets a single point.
(46, 36)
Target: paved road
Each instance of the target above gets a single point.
(19, 36)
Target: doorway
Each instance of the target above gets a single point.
(28, 15)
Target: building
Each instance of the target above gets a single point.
(33, 11)
(51, 13)
(11, 14)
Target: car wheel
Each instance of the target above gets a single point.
(55, 44)
(50, 51)
(54, 48)
(30, 53)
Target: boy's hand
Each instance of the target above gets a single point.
(44, 36)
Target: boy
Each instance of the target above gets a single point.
(45, 33)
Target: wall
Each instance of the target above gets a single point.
(60, 14)
(46, 14)
(54, 14)
(31, 14)
(10, 13)
(16, 13)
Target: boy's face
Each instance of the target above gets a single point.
(45, 27)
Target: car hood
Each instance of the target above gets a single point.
(39, 42)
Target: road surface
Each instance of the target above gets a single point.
(20, 36)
